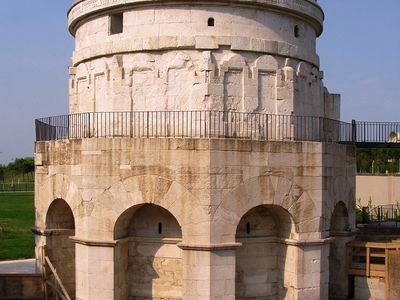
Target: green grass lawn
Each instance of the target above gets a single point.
(17, 217)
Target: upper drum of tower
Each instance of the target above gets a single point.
(288, 28)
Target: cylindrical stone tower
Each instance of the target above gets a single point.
(199, 159)
(253, 56)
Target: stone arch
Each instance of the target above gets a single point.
(338, 260)
(82, 98)
(262, 266)
(266, 221)
(232, 61)
(340, 218)
(59, 215)
(142, 189)
(60, 226)
(100, 82)
(142, 74)
(265, 73)
(132, 222)
(233, 75)
(148, 262)
(303, 70)
(267, 63)
(56, 187)
(343, 191)
(268, 190)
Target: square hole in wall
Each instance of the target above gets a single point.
(116, 23)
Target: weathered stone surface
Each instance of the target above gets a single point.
(21, 286)
(207, 188)
(183, 218)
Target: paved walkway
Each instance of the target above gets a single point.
(25, 266)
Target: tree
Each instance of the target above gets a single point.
(381, 159)
(22, 166)
(2, 173)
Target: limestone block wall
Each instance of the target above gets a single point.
(21, 287)
(183, 24)
(61, 252)
(207, 187)
(164, 279)
(247, 56)
(200, 80)
(244, 25)
(369, 288)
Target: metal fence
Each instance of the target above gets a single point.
(17, 187)
(376, 132)
(192, 124)
(385, 215)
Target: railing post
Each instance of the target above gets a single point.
(365, 215)
(130, 124)
(68, 122)
(148, 124)
(89, 122)
(379, 215)
(209, 124)
(353, 131)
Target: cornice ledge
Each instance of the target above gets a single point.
(209, 247)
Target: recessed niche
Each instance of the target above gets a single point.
(248, 227)
(296, 31)
(116, 23)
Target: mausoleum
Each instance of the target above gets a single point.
(200, 156)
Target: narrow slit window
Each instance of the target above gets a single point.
(296, 31)
(211, 22)
(248, 227)
(159, 228)
(116, 23)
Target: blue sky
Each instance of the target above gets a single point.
(358, 50)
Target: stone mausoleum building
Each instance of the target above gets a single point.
(200, 157)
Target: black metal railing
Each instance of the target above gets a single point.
(385, 215)
(193, 124)
(376, 132)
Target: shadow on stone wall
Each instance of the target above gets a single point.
(262, 267)
(60, 225)
(148, 262)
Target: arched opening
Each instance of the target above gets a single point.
(60, 225)
(211, 22)
(296, 31)
(262, 266)
(338, 258)
(148, 262)
(340, 218)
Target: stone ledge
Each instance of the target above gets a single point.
(93, 243)
(156, 43)
(291, 242)
(191, 144)
(151, 240)
(210, 247)
(49, 232)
